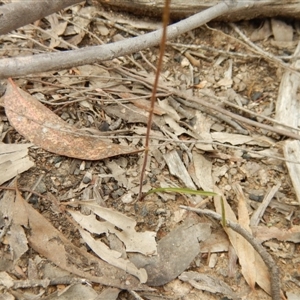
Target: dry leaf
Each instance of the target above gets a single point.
(178, 169)
(97, 76)
(263, 233)
(245, 251)
(14, 160)
(75, 292)
(291, 150)
(164, 104)
(143, 242)
(208, 283)
(20, 213)
(17, 241)
(57, 29)
(262, 273)
(119, 174)
(231, 138)
(261, 33)
(109, 294)
(113, 257)
(202, 127)
(174, 126)
(46, 130)
(216, 242)
(203, 171)
(282, 31)
(6, 280)
(49, 242)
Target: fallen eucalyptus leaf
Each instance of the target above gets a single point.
(45, 129)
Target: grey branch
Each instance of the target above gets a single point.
(16, 14)
(19, 66)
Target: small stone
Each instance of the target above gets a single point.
(77, 171)
(87, 177)
(117, 193)
(161, 211)
(41, 188)
(185, 62)
(57, 159)
(82, 165)
(127, 198)
(65, 116)
(257, 198)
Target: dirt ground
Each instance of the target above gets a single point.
(211, 61)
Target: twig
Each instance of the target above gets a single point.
(211, 49)
(66, 280)
(48, 33)
(114, 24)
(26, 37)
(255, 218)
(82, 28)
(215, 108)
(257, 49)
(248, 111)
(193, 101)
(35, 186)
(267, 258)
(23, 190)
(135, 295)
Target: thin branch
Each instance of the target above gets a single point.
(267, 258)
(12, 67)
(270, 57)
(215, 108)
(30, 283)
(135, 295)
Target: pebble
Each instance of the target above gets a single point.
(41, 188)
(87, 178)
(65, 116)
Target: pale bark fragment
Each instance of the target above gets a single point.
(288, 112)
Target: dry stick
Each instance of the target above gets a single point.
(30, 283)
(268, 56)
(212, 49)
(35, 186)
(215, 108)
(2, 187)
(12, 67)
(258, 213)
(166, 15)
(267, 258)
(49, 34)
(133, 293)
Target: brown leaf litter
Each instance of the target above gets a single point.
(45, 129)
